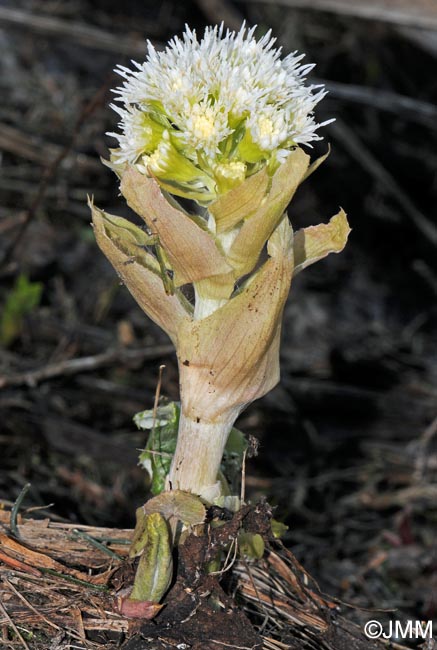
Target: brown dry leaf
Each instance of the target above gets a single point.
(315, 242)
(145, 284)
(256, 230)
(233, 353)
(239, 203)
(192, 252)
(218, 287)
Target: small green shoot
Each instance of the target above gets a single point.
(22, 299)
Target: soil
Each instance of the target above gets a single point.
(348, 444)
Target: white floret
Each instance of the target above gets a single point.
(205, 88)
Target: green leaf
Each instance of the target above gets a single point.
(158, 453)
(278, 528)
(165, 414)
(155, 568)
(233, 459)
(251, 545)
(23, 298)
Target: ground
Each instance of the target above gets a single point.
(348, 445)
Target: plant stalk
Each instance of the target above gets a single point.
(198, 455)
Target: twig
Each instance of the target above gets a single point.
(420, 13)
(254, 586)
(157, 395)
(422, 456)
(94, 542)
(409, 108)
(371, 164)
(426, 273)
(51, 170)
(84, 364)
(76, 581)
(399, 498)
(232, 645)
(36, 150)
(233, 547)
(90, 37)
(15, 509)
(13, 626)
(18, 565)
(28, 605)
(110, 625)
(243, 478)
(426, 39)
(274, 644)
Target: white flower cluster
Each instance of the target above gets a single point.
(204, 114)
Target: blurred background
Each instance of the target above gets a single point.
(348, 441)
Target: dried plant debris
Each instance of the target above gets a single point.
(253, 603)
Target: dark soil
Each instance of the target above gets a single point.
(348, 444)
(197, 611)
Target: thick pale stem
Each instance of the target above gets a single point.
(205, 306)
(198, 455)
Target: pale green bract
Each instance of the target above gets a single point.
(203, 115)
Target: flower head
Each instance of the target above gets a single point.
(204, 114)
